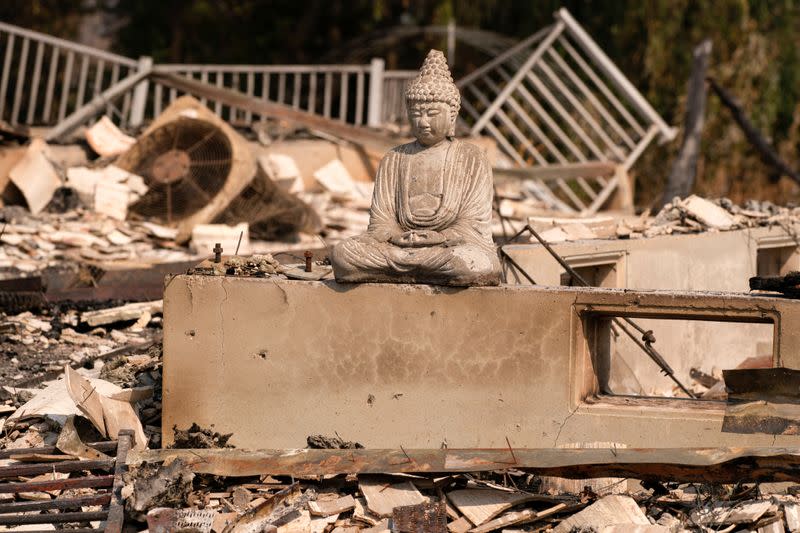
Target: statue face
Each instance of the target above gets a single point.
(430, 121)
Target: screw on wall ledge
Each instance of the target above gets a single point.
(308, 255)
(217, 253)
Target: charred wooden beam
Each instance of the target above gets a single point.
(719, 465)
(682, 175)
(762, 146)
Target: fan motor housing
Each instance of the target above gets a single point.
(171, 166)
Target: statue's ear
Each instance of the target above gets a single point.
(453, 118)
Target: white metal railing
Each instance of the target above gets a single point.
(44, 78)
(339, 92)
(557, 99)
(394, 102)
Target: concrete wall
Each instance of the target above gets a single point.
(722, 261)
(419, 366)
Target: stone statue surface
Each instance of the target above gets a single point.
(430, 219)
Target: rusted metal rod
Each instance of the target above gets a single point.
(104, 447)
(651, 352)
(62, 503)
(58, 518)
(66, 466)
(116, 511)
(516, 266)
(79, 530)
(58, 484)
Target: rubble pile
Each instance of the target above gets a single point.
(169, 496)
(35, 347)
(507, 501)
(681, 216)
(32, 244)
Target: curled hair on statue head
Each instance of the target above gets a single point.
(434, 83)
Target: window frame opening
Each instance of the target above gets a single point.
(596, 330)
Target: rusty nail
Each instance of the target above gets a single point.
(510, 449)
(217, 253)
(410, 460)
(308, 255)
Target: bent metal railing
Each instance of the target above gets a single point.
(44, 78)
(557, 99)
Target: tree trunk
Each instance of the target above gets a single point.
(682, 175)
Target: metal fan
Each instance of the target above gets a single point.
(185, 163)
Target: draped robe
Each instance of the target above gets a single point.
(463, 217)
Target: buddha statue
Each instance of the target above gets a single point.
(430, 219)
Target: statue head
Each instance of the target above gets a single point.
(433, 101)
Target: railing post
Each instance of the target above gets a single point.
(139, 102)
(375, 105)
(451, 43)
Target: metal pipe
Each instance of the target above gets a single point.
(98, 103)
(59, 484)
(62, 503)
(68, 45)
(651, 352)
(108, 446)
(49, 518)
(618, 78)
(46, 468)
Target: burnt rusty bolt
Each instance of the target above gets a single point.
(217, 253)
(308, 255)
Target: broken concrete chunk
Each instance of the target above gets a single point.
(160, 232)
(206, 236)
(283, 170)
(328, 508)
(123, 313)
(481, 505)
(615, 510)
(335, 179)
(106, 139)
(112, 199)
(725, 513)
(383, 497)
(429, 517)
(35, 176)
(85, 182)
(708, 213)
(9, 157)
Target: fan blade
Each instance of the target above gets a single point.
(169, 203)
(201, 142)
